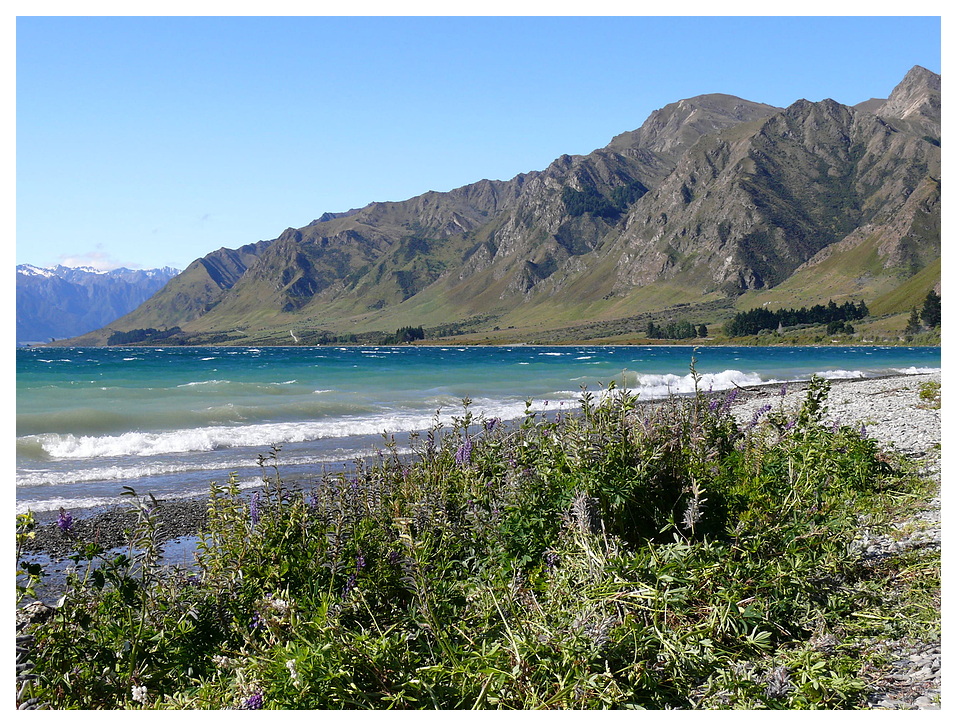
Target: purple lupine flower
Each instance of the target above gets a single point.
(713, 405)
(254, 509)
(492, 423)
(254, 702)
(551, 559)
(863, 431)
(758, 414)
(784, 390)
(257, 622)
(729, 399)
(360, 562)
(350, 585)
(464, 454)
(64, 521)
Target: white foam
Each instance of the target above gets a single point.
(73, 503)
(840, 374)
(663, 385)
(915, 370)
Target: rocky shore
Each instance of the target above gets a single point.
(893, 413)
(890, 409)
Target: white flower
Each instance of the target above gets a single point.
(139, 694)
(291, 665)
(279, 605)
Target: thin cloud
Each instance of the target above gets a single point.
(96, 259)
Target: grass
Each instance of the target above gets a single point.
(617, 556)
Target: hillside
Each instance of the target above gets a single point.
(714, 204)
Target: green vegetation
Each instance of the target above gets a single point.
(590, 201)
(676, 330)
(930, 394)
(930, 313)
(144, 336)
(620, 556)
(755, 320)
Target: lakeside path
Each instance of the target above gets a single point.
(893, 414)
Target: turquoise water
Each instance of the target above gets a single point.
(170, 421)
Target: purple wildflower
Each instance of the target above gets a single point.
(254, 702)
(254, 509)
(464, 454)
(257, 622)
(729, 400)
(492, 423)
(758, 414)
(713, 405)
(551, 559)
(784, 390)
(350, 585)
(863, 431)
(64, 521)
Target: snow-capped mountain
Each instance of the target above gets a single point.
(61, 302)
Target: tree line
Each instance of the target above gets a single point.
(676, 330)
(140, 335)
(752, 322)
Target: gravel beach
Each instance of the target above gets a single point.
(889, 408)
(894, 415)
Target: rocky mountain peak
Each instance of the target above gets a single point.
(915, 97)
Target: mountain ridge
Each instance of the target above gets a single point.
(713, 199)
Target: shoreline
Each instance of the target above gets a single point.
(185, 517)
(564, 344)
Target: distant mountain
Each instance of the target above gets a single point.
(714, 202)
(62, 302)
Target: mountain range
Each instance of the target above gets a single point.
(63, 302)
(714, 204)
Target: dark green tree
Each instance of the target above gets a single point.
(913, 323)
(702, 331)
(930, 313)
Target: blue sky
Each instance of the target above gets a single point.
(151, 141)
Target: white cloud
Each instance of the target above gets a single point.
(97, 259)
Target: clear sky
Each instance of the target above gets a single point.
(152, 141)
